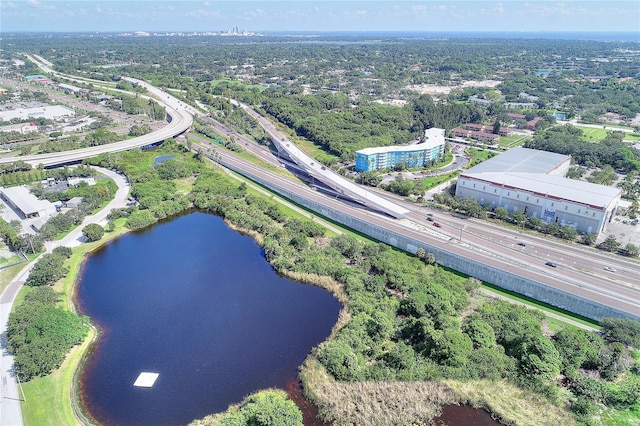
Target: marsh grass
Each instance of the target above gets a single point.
(373, 403)
(510, 404)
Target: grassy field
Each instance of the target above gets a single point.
(512, 141)
(49, 399)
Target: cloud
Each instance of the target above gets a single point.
(8, 5)
(498, 8)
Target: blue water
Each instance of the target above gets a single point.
(197, 303)
(162, 159)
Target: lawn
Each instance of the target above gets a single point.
(513, 141)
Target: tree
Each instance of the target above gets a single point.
(588, 239)
(631, 250)
(610, 244)
(623, 330)
(93, 232)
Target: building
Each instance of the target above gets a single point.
(416, 155)
(533, 182)
(25, 203)
(51, 112)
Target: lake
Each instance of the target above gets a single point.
(197, 303)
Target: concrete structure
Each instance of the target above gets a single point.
(533, 182)
(26, 204)
(417, 155)
(537, 290)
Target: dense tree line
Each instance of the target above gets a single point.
(40, 334)
(49, 268)
(566, 140)
(405, 312)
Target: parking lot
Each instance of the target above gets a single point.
(625, 233)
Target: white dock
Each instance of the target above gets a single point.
(146, 380)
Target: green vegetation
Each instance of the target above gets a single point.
(265, 408)
(40, 335)
(403, 319)
(610, 151)
(93, 232)
(406, 320)
(49, 268)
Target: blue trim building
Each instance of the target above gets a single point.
(416, 155)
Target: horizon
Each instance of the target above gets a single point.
(315, 16)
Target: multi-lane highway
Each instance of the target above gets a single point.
(580, 271)
(500, 252)
(181, 119)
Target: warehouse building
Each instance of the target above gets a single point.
(431, 148)
(25, 203)
(533, 182)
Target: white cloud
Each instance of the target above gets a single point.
(8, 5)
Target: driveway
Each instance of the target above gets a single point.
(10, 411)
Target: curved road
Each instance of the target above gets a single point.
(10, 411)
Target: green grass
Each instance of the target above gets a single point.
(512, 141)
(590, 134)
(631, 137)
(434, 181)
(48, 399)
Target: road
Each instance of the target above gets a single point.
(181, 116)
(580, 270)
(10, 411)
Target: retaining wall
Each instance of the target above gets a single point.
(498, 277)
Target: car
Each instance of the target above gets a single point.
(609, 268)
(430, 219)
(521, 244)
(552, 264)
(437, 224)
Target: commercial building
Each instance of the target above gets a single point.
(533, 182)
(25, 203)
(431, 148)
(52, 112)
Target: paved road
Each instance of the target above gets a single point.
(580, 271)
(10, 411)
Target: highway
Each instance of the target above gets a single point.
(579, 271)
(181, 119)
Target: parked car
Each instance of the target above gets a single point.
(550, 263)
(437, 224)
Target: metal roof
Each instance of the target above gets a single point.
(520, 160)
(555, 186)
(25, 201)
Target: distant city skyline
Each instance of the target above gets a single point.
(317, 16)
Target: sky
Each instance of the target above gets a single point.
(316, 16)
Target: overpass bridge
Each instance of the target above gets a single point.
(180, 120)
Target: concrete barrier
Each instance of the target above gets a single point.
(503, 279)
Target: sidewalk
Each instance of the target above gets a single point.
(10, 398)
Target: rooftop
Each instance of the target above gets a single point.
(432, 138)
(556, 187)
(520, 160)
